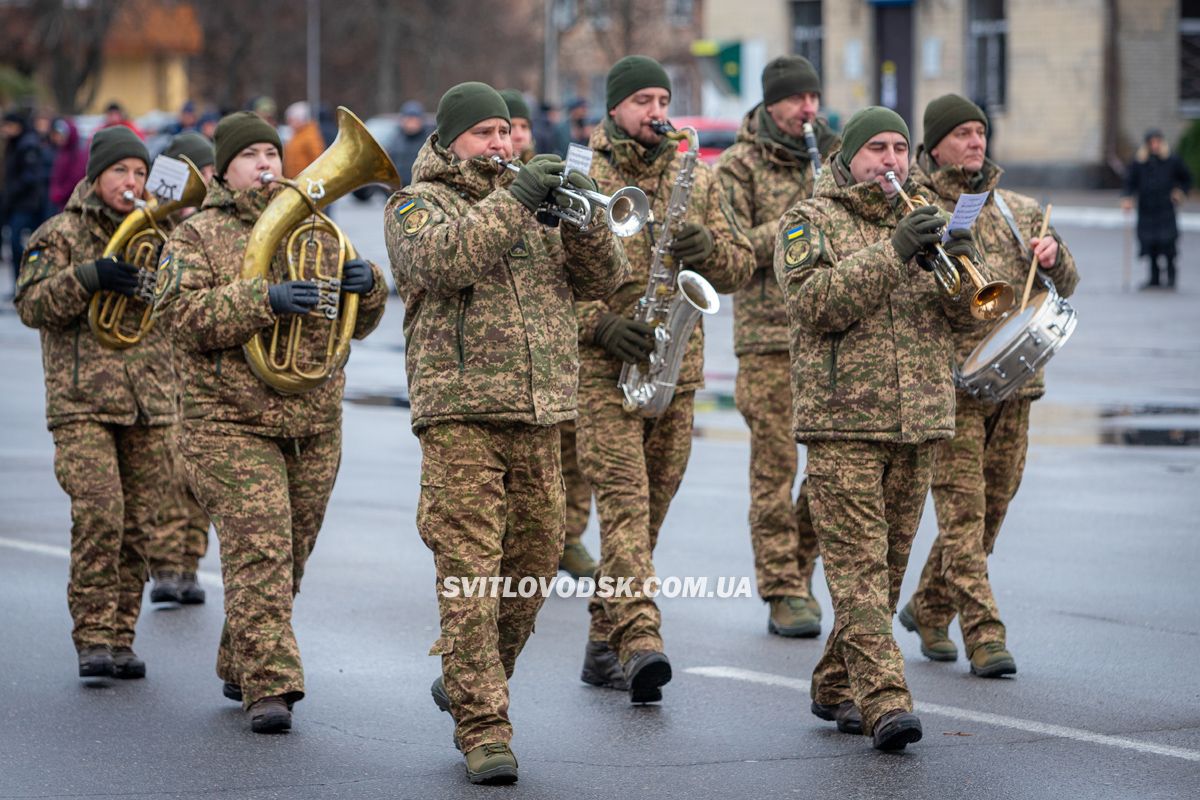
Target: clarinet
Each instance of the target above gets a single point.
(814, 155)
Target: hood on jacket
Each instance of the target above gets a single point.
(753, 132)
(477, 177)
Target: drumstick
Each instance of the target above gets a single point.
(1033, 262)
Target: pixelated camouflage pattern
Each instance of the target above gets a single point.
(781, 533)
(634, 466)
(491, 505)
(620, 163)
(267, 499)
(211, 312)
(114, 477)
(866, 500)
(488, 292)
(1003, 257)
(872, 350)
(84, 379)
(975, 477)
(180, 539)
(579, 494)
(763, 178)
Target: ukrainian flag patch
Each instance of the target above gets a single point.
(407, 207)
(795, 233)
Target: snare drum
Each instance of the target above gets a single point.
(1020, 344)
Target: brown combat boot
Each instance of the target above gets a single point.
(991, 660)
(793, 617)
(576, 561)
(936, 644)
(270, 715)
(492, 763)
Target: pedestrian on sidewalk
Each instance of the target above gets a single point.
(1160, 181)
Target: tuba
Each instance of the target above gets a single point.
(989, 300)
(294, 219)
(120, 322)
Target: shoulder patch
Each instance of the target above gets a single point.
(519, 250)
(800, 246)
(412, 214)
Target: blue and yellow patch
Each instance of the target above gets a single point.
(405, 208)
(412, 215)
(800, 246)
(32, 256)
(795, 233)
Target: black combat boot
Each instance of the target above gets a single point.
(896, 729)
(126, 664)
(270, 715)
(602, 668)
(845, 714)
(164, 587)
(646, 672)
(190, 591)
(96, 661)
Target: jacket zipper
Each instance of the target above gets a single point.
(763, 285)
(835, 341)
(218, 363)
(464, 300)
(75, 366)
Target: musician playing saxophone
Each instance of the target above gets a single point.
(261, 463)
(109, 411)
(976, 474)
(872, 391)
(634, 464)
(765, 173)
(492, 361)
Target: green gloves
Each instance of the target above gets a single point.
(961, 244)
(694, 244)
(625, 339)
(537, 179)
(919, 230)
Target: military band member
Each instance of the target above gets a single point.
(521, 131)
(976, 474)
(110, 411)
(634, 464)
(492, 367)
(262, 463)
(765, 173)
(871, 349)
(180, 539)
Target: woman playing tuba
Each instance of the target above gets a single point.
(261, 462)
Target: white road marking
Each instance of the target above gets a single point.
(55, 551)
(980, 717)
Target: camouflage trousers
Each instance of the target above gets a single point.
(114, 477)
(634, 466)
(491, 507)
(579, 494)
(180, 539)
(866, 500)
(975, 476)
(267, 499)
(781, 532)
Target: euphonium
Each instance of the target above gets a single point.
(989, 300)
(673, 301)
(353, 160)
(118, 323)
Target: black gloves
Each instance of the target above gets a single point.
(919, 230)
(961, 244)
(109, 275)
(694, 244)
(357, 277)
(293, 297)
(629, 340)
(535, 181)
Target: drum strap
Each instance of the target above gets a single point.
(1006, 212)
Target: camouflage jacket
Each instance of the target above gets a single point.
(84, 379)
(1004, 258)
(872, 348)
(622, 163)
(488, 294)
(764, 178)
(212, 311)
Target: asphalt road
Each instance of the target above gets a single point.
(1095, 573)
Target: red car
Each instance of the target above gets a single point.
(715, 135)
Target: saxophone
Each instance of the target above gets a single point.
(673, 301)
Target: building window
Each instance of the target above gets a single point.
(681, 12)
(987, 53)
(807, 31)
(1189, 58)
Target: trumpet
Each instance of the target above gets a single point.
(626, 211)
(989, 300)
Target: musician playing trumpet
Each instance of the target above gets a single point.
(261, 463)
(109, 411)
(976, 474)
(872, 391)
(492, 365)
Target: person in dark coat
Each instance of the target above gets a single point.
(26, 184)
(1160, 181)
(70, 163)
(408, 140)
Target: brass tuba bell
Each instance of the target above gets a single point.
(120, 322)
(294, 219)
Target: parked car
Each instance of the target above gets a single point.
(715, 135)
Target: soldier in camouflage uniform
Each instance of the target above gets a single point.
(262, 463)
(765, 173)
(110, 411)
(180, 539)
(976, 474)
(871, 352)
(633, 464)
(492, 367)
